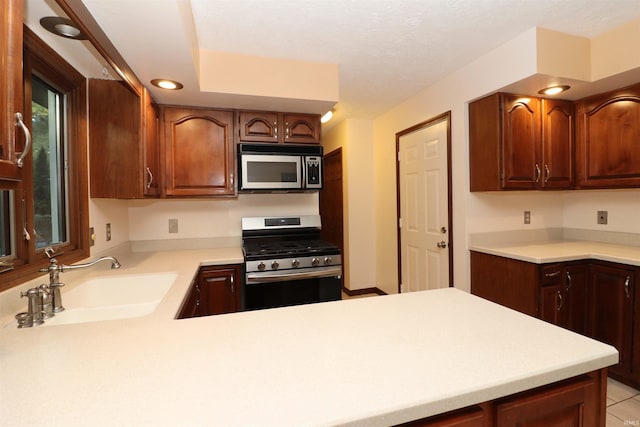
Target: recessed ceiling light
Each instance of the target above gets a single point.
(554, 90)
(327, 116)
(62, 27)
(167, 84)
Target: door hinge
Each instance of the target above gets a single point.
(399, 222)
(399, 156)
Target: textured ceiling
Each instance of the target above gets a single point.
(386, 50)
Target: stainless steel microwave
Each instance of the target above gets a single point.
(279, 167)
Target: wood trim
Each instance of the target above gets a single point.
(81, 16)
(442, 117)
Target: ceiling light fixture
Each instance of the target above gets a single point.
(327, 116)
(554, 90)
(63, 27)
(167, 84)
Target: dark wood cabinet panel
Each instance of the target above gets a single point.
(558, 144)
(151, 160)
(573, 403)
(199, 152)
(216, 290)
(607, 135)
(115, 151)
(267, 126)
(512, 283)
(520, 143)
(12, 138)
(563, 295)
(610, 311)
(576, 402)
(258, 126)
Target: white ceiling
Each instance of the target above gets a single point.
(386, 50)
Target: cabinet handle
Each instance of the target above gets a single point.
(538, 173)
(560, 300)
(547, 173)
(568, 281)
(150, 178)
(554, 274)
(232, 283)
(275, 127)
(286, 130)
(626, 286)
(27, 140)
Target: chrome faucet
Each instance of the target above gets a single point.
(55, 269)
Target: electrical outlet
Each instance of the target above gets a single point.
(173, 225)
(602, 217)
(527, 217)
(108, 231)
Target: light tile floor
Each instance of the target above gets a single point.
(623, 405)
(623, 402)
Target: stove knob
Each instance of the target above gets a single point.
(328, 260)
(295, 263)
(261, 266)
(275, 265)
(315, 262)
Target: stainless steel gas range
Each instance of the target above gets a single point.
(286, 262)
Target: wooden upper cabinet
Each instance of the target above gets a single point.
(519, 143)
(151, 154)
(258, 126)
(558, 145)
(199, 152)
(12, 137)
(266, 126)
(115, 152)
(608, 135)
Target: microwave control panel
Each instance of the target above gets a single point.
(313, 177)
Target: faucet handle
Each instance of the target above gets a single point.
(52, 251)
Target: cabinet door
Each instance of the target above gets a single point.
(301, 128)
(557, 144)
(521, 142)
(607, 135)
(469, 417)
(258, 126)
(611, 292)
(115, 152)
(573, 404)
(200, 155)
(218, 293)
(11, 97)
(575, 300)
(151, 142)
(552, 297)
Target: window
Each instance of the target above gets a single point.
(49, 205)
(49, 176)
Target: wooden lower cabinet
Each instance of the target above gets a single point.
(576, 402)
(216, 290)
(610, 313)
(591, 297)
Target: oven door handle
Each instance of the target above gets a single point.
(268, 277)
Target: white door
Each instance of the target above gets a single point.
(424, 206)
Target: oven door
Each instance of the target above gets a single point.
(270, 172)
(280, 289)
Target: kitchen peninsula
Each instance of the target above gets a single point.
(372, 361)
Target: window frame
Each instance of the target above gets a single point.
(42, 61)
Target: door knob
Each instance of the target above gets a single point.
(442, 244)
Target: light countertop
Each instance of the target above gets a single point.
(368, 361)
(542, 252)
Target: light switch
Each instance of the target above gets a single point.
(173, 225)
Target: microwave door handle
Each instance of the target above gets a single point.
(303, 177)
